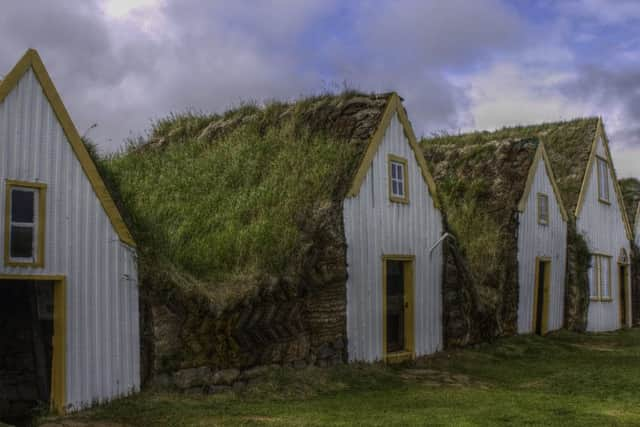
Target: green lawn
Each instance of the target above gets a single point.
(563, 379)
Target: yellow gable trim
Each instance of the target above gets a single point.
(393, 106)
(600, 133)
(541, 154)
(32, 60)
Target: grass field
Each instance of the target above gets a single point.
(563, 379)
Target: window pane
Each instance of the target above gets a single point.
(603, 180)
(21, 242)
(400, 189)
(606, 283)
(593, 286)
(22, 205)
(394, 187)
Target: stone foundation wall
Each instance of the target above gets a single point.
(635, 285)
(475, 312)
(459, 298)
(577, 282)
(297, 320)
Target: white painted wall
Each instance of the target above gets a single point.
(604, 231)
(102, 346)
(536, 240)
(374, 226)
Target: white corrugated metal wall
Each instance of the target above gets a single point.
(604, 230)
(536, 240)
(374, 226)
(102, 340)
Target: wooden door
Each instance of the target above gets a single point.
(398, 307)
(542, 290)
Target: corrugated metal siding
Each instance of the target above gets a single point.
(535, 240)
(102, 354)
(604, 231)
(374, 227)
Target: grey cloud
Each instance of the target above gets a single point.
(610, 90)
(208, 55)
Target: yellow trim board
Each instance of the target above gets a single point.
(600, 133)
(41, 228)
(31, 60)
(409, 318)
(541, 154)
(59, 357)
(394, 105)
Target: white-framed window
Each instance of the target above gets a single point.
(24, 232)
(543, 208)
(603, 179)
(398, 179)
(600, 278)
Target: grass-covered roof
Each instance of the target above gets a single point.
(480, 184)
(568, 145)
(224, 197)
(630, 188)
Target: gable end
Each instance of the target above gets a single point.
(600, 134)
(541, 154)
(394, 106)
(32, 60)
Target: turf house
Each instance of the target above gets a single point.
(599, 233)
(294, 233)
(69, 320)
(631, 192)
(504, 207)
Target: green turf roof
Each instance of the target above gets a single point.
(568, 145)
(225, 197)
(630, 188)
(480, 184)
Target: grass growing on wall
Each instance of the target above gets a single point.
(230, 207)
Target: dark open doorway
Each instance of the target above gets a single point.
(624, 285)
(398, 307)
(26, 332)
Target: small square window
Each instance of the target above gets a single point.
(398, 182)
(543, 209)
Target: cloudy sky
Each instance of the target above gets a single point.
(459, 64)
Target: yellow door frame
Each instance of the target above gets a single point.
(409, 351)
(58, 364)
(624, 311)
(544, 327)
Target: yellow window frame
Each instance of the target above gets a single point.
(405, 177)
(41, 188)
(409, 298)
(541, 219)
(600, 159)
(597, 276)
